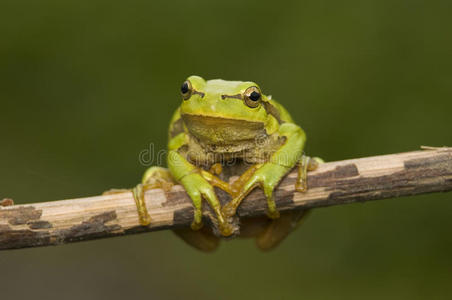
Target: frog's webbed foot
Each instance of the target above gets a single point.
(143, 215)
(202, 239)
(230, 208)
(304, 165)
(267, 177)
(278, 229)
(153, 178)
(238, 184)
(199, 185)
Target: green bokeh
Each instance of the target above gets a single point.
(86, 85)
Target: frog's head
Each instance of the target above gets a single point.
(220, 112)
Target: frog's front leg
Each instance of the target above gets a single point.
(304, 165)
(270, 173)
(157, 177)
(198, 188)
(153, 178)
(267, 177)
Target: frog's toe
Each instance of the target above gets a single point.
(301, 186)
(196, 225)
(226, 229)
(306, 164)
(228, 210)
(138, 195)
(314, 163)
(273, 214)
(143, 215)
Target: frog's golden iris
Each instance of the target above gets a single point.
(252, 96)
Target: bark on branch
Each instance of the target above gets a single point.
(334, 183)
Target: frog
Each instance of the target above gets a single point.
(230, 127)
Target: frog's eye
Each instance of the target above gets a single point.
(186, 90)
(252, 96)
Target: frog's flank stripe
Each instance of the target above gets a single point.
(271, 110)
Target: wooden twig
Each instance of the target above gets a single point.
(334, 183)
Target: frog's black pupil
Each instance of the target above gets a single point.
(254, 96)
(184, 88)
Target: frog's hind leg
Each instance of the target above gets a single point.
(279, 229)
(202, 239)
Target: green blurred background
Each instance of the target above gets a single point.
(86, 85)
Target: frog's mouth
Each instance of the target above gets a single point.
(223, 133)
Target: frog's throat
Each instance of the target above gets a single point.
(220, 134)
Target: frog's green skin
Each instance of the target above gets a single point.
(215, 124)
(218, 122)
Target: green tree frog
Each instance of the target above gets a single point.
(219, 126)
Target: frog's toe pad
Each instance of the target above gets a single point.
(196, 225)
(226, 229)
(115, 191)
(145, 220)
(301, 187)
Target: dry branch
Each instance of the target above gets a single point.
(334, 183)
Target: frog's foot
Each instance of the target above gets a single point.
(267, 177)
(143, 215)
(138, 194)
(306, 164)
(153, 178)
(224, 227)
(203, 239)
(230, 208)
(216, 169)
(6, 202)
(199, 186)
(238, 184)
